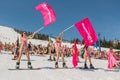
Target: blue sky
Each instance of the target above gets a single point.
(103, 14)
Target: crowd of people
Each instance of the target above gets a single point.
(54, 50)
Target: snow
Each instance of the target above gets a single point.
(47, 71)
(8, 35)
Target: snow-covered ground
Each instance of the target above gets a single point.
(46, 70)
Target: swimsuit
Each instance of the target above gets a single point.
(24, 41)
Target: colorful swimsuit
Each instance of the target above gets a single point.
(24, 41)
(58, 46)
(87, 53)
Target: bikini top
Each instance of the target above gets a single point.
(24, 40)
(58, 43)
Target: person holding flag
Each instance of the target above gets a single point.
(89, 35)
(24, 48)
(59, 50)
(87, 54)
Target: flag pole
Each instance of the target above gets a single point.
(39, 30)
(68, 28)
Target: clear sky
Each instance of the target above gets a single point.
(103, 14)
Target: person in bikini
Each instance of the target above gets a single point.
(87, 54)
(53, 51)
(59, 50)
(24, 48)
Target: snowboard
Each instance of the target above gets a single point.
(24, 69)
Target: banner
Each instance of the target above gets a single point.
(87, 32)
(75, 55)
(47, 13)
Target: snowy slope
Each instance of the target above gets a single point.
(8, 35)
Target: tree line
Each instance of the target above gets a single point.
(103, 43)
(110, 43)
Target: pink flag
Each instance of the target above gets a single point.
(111, 60)
(86, 30)
(47, 13)
(75, 55)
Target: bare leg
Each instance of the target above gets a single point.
(63, 57)
(28, 58)
(27, 55)
(20, 55)
(19, 58)
(57, 55)
(64, 64)
(89, 58)
(85, 62)
(85, 58)
(91, 66)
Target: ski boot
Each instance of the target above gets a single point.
(29, 65)
(85, 66)
(56, 65)
(64, 65)
(49, 59)
(17, 65)
(91, 66)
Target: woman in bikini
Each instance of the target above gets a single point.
(87, 54)
(24, 48)
(59, 50)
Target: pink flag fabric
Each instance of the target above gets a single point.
(75, 55)
(47, 13)
(87, 32)
(111, 60)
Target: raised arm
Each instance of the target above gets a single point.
(31, 36)
(60, 35)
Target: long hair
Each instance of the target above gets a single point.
(23, 33)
